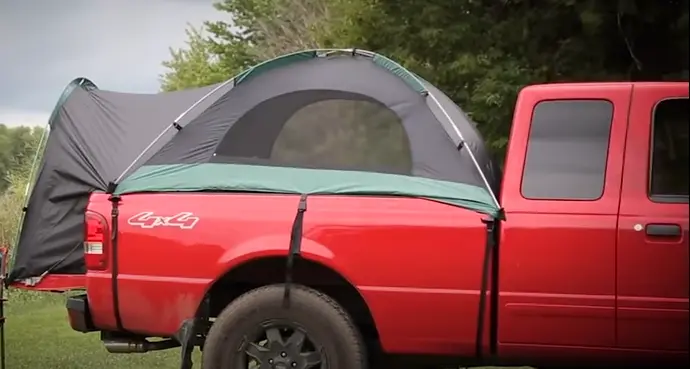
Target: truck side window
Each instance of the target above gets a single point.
(669, 162)
(567, 150)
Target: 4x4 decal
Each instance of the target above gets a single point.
(147, 219)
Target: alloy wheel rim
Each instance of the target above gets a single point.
(282, 347)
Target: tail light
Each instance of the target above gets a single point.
(96, 242)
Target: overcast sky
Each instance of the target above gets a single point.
(118, 44)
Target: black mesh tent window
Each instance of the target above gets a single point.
(319, 129)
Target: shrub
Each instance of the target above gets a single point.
(11, 204)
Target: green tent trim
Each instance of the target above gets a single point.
(392, 66)
(285, 180)
(274, 63)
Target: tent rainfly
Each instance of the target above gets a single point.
(313, 122)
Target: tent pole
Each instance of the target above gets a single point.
(474, 159)
(175, 122)
(455, 128)
(146, 149)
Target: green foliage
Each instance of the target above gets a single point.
(194, 66)
(17, 148)
(11, 203)
(262, 29)
(481, 52)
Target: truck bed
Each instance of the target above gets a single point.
(164, 270)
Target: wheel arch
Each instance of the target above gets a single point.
(312, 269)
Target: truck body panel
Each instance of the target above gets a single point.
(375, 243)
(652, 271)
(557, 281)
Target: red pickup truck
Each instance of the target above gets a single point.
(329, 209)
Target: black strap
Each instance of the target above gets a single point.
(114, 216)
(486, 267)
(495, 259)
(295, 247)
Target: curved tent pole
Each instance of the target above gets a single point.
(81, 82)
(455, 127)
(163, 132)
(372, 54)
(462, 139)
(202, 99)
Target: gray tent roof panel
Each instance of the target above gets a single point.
(435, 152)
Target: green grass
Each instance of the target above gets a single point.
(38, 336)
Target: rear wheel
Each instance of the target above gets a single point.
(256, 332)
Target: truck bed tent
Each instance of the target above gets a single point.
(313, 122)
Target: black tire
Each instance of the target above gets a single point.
(321, 318)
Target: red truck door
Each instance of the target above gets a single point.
(561, 193)
(652, 255)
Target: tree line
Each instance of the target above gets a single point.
(479, 52)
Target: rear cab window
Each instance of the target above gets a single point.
(668, 175)
(567, 150)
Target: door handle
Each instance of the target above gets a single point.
(663, 230)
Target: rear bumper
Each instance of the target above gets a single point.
(79, 314)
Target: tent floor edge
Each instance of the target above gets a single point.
(294, 249)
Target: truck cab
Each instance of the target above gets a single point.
(594, 251)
